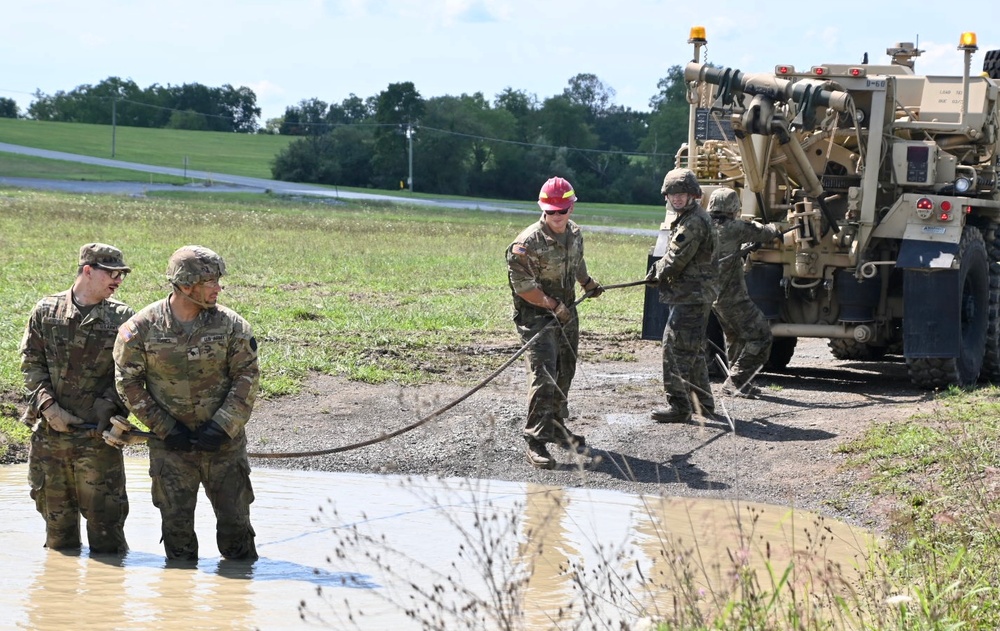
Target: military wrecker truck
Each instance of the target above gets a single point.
(888, 182)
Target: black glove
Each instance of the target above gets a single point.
(210, 437)
(100, 415)
(562, 313)
(179, 438)
(593, 288)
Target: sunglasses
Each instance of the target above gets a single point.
(557, 212)
(115, 274)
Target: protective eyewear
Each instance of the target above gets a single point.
(558, 212)
(115, 274)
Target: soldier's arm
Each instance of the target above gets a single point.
(757, 232)
(244, 373)
(34, 365)
(684, 244)
(522, 270)
(111, 393)
(522, 267)
(130, 381)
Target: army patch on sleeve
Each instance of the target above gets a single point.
(519, 249)
(127, 331)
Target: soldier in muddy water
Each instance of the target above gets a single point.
(68, 370)
(187, 368)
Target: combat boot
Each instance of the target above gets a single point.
(538, 456)
(671, 415)
(566, 439)
(746, 391)
(572, 442)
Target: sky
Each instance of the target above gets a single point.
(288, 51)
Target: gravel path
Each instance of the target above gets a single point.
(782, 452)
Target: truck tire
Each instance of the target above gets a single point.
(851, 349)
(782, 349)
(974, 277)
(991, 359)
(991, 64)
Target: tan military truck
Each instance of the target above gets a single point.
(889, 179)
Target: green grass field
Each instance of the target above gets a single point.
(374, 292)
(235, 154)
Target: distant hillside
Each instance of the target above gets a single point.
(219, 152)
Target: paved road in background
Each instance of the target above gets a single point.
(220, 182)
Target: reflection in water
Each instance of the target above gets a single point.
(547, 551)
(358, 550)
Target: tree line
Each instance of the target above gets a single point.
(122, 102)
(504, 148)
(459, 145)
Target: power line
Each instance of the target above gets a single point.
(544, 146)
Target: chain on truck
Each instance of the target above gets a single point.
(890, 178)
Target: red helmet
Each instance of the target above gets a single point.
(556, 194)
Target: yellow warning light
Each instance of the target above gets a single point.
(968, 41)
(697, 35)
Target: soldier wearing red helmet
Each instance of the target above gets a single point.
(544, 264)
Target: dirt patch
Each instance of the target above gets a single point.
(783, 450)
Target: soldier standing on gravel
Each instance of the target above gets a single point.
(687, 276)
(544, 263)
(748, 335)
(187, 367)
(68, 368)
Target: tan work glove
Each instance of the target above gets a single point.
(651, 279)
(59, 419)
(562, 313)
(121, 433)
(101, 415)
(593, 288)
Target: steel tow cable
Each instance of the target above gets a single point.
(444, 408)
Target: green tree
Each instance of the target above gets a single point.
(591, 93)
(457, 144)
(351, 110)
(8, 108)
(224, 109)
(522, 106)
(308, 118)
(187, 120)
(668, 122)
(341, 157)
(397, 110)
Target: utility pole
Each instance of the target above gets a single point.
(409, 143)
(114, 116)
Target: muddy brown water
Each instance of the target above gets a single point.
(312, 535)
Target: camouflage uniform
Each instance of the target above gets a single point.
(169, 376)
(554, 263)
(748, 335)
(687, 278)
(66, 359)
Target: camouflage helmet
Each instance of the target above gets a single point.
(724, 202)
(193, 264)
(681, 181)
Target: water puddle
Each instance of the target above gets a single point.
(357, 549)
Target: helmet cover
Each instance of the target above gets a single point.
(193, 264)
